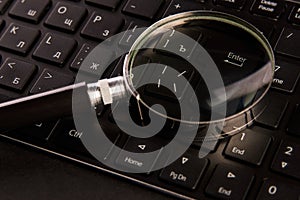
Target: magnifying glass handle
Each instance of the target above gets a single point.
(38, 108)
(58, 103)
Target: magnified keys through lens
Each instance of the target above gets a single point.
(218, 62)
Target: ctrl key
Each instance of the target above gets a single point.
(68, 138)
(230, 182)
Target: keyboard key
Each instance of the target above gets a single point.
(177, 6)
(295, 15)
(106, 3)
(294, 126)
(1, 24)
(238, 4)
(4, 5)
(146, 9)
(82, 54)
(98, 66)
(277, 190)
(172, 41)
(50, 80)
(29, 10)
(118, 70)
(232, 54)
(273, 113)
(287, 159)
(39, 131)
(131, 34)
(117, 115)
(66, 17)
(5, 98)
(15, 74)
(230, 182)
(102, 26)
(248, 146)
(138, 162)
(286, 76)
(67, 137)
(55, 48)
(186, 171)
(288, 43)
(184, 72)
(19, 38)
(272, 8)
(264, 26)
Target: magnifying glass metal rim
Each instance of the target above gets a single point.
(197, 15)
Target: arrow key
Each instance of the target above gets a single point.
(186, 171)
(142, 147)
(184, 160)
(50, 80)
(133, 157)
(230, 182)
(287, 159)
(231, 175)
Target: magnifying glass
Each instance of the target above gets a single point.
(201, 67)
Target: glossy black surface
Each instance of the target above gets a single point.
(28, 173)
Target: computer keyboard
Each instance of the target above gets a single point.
(43, 44)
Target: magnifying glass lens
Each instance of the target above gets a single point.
(203, 67)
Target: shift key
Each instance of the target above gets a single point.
(286, 76)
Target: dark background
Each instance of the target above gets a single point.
(28, 174)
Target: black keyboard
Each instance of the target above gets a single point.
(43, 44)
